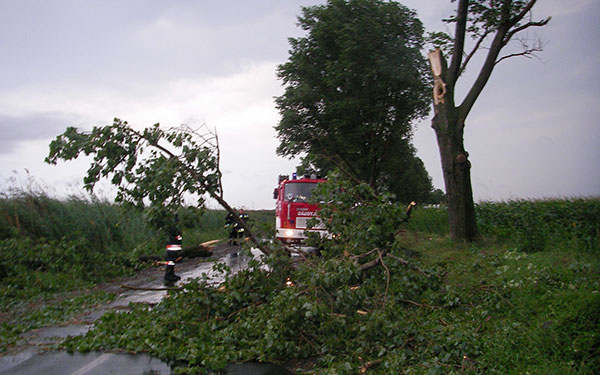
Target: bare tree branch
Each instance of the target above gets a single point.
(511, 33)
(473, 51)
(524, 53)
(375, 262)
(459, 43)
(527, 51)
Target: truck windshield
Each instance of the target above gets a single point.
(299, 191)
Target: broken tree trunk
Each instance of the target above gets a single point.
(448, 125)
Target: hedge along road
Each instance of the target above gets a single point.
(147, 287)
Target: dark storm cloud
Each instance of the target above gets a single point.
(36, 126)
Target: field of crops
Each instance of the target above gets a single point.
(529, 225)
(573, 224)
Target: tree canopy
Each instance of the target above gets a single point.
(353, 86)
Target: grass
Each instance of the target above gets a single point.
(524, 300)
(531, 313)
(536, 279)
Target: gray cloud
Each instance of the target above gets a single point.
(34, 126)
(533, 132)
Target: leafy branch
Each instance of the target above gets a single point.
(155, 170)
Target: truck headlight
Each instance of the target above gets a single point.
(289, 233)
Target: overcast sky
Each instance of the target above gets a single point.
(534, 132)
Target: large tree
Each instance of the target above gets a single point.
(353, 86)
(492, 25)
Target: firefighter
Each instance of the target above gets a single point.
(173, 252)
(230, 224)
(235, 229)
(244, 218)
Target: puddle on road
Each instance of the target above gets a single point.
(234, 261)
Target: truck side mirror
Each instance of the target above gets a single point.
(275, 193)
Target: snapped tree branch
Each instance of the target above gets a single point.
(163, 177)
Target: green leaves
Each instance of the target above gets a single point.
(442, 308)
(361, 219)
(353, 85)
(155, 166)
(156, 170)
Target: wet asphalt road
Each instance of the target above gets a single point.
(32, 359)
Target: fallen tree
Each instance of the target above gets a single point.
(154, 170)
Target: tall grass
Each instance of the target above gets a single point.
(528, 225)
(102, 224)
(429, 220)
(48, 246)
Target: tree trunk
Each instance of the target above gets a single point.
(456, 167)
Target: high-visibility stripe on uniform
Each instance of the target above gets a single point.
(173, 247)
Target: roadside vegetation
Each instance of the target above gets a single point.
(525, 300)
(53, 252)
(388, 297)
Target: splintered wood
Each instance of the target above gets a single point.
(439, 86)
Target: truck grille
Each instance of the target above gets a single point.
(301, 223)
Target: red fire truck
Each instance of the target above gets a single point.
(293, 211)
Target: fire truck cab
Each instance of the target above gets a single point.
(293, 211)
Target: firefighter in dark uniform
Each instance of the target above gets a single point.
(173, 252)
(244, 218)
(235, 229)
(229, 224)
